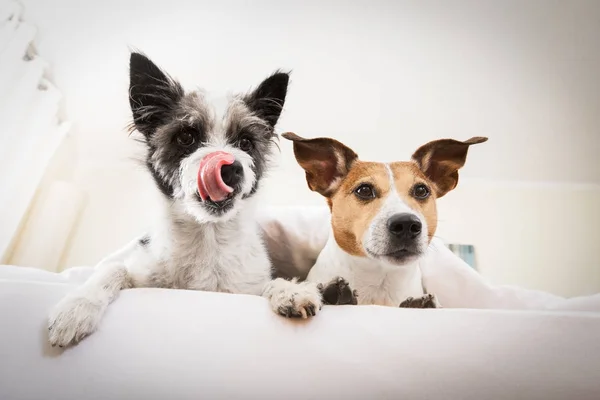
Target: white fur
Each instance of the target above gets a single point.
(292, 295)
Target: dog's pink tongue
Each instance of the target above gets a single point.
(210, 181)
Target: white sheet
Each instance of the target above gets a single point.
(175, 344)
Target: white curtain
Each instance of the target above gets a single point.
(30, 127)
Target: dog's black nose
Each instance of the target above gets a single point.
(405, 225)
(232, 174)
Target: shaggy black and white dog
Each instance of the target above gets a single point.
(208, 164)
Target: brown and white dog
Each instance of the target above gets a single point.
(383, 217)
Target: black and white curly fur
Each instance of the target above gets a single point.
(199, 245)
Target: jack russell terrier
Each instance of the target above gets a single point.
(208, 164)
(383, 217)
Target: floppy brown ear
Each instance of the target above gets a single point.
(325, 161)
(440, 161)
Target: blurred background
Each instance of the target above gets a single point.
(381, 76)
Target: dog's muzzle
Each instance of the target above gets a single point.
(219, 173)
(404, 231)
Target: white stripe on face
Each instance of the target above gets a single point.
(377, 237)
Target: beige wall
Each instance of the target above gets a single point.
(536, 235)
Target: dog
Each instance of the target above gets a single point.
(383, 217)
(208, 164)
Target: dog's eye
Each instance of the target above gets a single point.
(420, 191)
(185, 138)
(245, 144)
(365, 192)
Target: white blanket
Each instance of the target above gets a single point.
(176, 344)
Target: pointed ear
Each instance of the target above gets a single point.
(268, 98)
(152, 94)
(440, 161)
(325, 161)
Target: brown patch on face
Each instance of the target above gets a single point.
(406, 176)
(351, 216)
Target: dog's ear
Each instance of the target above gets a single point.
(325, 161)
(440, 161)
(268, 98)
(152, 94)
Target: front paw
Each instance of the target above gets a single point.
(338, 292)
(292, 299)
(425, 301)
(73, 319)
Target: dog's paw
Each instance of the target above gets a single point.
(338, 292)
(293, 299)
(73, 319)
(425, 301)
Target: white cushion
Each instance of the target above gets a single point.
(175, 344)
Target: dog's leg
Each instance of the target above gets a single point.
(425, 301)
(338, 292)
(293, 299)
(77, 315)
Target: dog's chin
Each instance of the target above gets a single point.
(212, 211)
(398, 257)
(402, 257)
